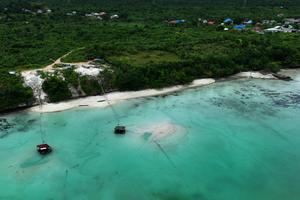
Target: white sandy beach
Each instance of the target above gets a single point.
(99, 101)
(114, 97)
(252, 74)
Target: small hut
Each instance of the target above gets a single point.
(239, 27)
(120, 130)
(211, 22)
(176, 22)
(43, 148)
(228, 21)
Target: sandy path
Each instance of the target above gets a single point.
(56, 62)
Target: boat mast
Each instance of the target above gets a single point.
(41, 115)
(116, 115)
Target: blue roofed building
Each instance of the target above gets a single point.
(228, 21)
(239, 27)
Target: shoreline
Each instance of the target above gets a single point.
(115, 97)
(99, 101)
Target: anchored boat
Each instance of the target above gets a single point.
(120, 130)
(43, 149)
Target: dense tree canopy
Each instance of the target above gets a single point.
(12, 92)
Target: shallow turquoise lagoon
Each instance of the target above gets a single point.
(234, 140)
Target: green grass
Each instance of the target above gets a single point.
(144, 58)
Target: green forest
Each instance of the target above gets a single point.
(142, 48)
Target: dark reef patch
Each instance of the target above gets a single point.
(5, 126)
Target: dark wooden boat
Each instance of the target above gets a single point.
(120, 130)
(43, 149)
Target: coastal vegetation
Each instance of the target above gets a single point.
(56, 88)
(13, 93)
(141, 48)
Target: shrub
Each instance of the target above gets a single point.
(57, 89)
(90, 86)
(12, 92)
(71, 77)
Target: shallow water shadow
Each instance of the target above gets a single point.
(34, 161)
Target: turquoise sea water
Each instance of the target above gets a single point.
(233, 140)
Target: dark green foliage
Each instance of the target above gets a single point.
(154, 75)
(12, 92)
(108, 80)
(288, 55)
(71, 77)
(90, 86)
(129, 78)
(57, 89)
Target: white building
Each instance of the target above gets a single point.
(277, 29)
(114, 17)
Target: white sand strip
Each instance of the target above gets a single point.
(114, 97)
(98, 101)
(253, 74)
